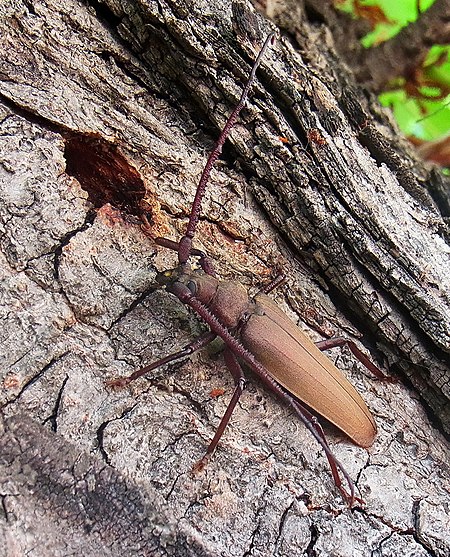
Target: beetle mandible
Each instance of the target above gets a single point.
(256, 332)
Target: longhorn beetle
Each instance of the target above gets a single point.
(256, 332)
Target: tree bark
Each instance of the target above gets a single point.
(108, 110)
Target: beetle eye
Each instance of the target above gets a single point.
(192, 286)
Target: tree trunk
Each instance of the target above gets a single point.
(108, 110)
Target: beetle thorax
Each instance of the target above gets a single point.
(227, 300)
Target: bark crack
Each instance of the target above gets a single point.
(33, 379)
(53, 418)
(104, 425)
(314, 532)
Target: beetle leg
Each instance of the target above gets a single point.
(341, 341)
(207, 265)
(272, 285)
(239, 386)
(166, 243)
(205, 262)
(310, 420)
(193, 346)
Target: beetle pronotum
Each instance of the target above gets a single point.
(256, 332)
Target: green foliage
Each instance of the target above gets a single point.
(424, 113)
(397, 14)
(421, 105)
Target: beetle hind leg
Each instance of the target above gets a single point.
(315, 428)
(275, 283)
(239, 386)
(366, 362)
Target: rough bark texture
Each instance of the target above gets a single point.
(108, 108)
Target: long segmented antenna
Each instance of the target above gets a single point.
(185, 245)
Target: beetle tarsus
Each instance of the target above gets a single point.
(275, 283)
(200, 465)
(119, 382)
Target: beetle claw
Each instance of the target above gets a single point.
(118, 383)
(350, 499)
(199, 466)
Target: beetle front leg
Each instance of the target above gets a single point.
(239, 386)
(205, 262)
(190, 348)
(341, 341)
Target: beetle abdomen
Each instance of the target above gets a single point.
(299, 366)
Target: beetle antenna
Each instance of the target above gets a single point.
(185, 245)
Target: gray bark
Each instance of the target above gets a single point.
(98, 108)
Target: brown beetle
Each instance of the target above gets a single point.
(256, 332)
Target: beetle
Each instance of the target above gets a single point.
(257, 333)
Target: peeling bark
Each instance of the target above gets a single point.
(108, 110)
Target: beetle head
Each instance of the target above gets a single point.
(182, 273)
(201, 285)
(165, 278)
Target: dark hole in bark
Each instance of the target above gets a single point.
(104, 173)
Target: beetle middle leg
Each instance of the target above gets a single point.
(341, 341)
(239, 386)
(189, 349)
